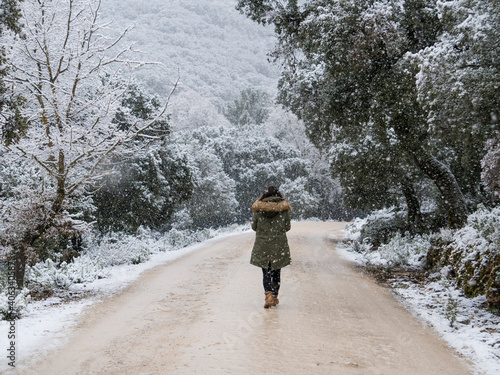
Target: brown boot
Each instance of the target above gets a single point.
(276, 300)
(269, 300)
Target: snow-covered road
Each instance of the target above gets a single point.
(203, 314)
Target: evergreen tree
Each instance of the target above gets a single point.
(12, 123)
(350, 71)
(252, 107)
(232, 166)
(145, 191)
(459, 87)
(491, 168)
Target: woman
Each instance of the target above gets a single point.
(271, 221)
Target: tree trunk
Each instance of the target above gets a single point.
(20, 266)
(29, 240)
(414, 214)
(61, 184)
(445, 181)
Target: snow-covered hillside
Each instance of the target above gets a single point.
(216, 50)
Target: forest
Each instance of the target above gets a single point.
(383, 110)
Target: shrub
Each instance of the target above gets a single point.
(381, 226)
(406, 250)
(473, 255)
(44, 277)
(15, 309)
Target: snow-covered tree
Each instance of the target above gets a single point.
(213, 201)
(458, 85)
(251, 108)
(12, 124)
(249, 160)
(189, 111)
(144, 191)
(491, 168)
(382, 177)
(74, 79)
(321, 185)
(349, 66)
(285, 126)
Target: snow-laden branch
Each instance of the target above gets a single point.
(74, 79)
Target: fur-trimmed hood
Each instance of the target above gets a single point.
(271, 204)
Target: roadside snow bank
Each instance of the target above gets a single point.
(463, 322)
(45, 323)
(440, 298)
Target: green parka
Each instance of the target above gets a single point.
(271, 221)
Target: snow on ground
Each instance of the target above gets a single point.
(463, 322)
(46, 324)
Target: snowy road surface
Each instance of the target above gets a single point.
(203, 314)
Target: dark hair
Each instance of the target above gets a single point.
(271, 191)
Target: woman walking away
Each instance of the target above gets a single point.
(271, 221)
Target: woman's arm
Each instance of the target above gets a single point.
(288, 224)
(254, 222)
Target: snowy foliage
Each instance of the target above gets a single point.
(11, 123)
(76, 86)
(473, 255)
(143, 191)
(402, 251)
(458, 86)
(491, 167)
(17, 308)
(96, 261)
(120, 248)
(26, 204)
(213, 203)
(73, 89)
(285, 126)
(468, 256)
(251, 108)
(234, 164)
(304, 202)
(395, 249)
(189, 111)
(216, 51)
(486, 223)
(45, 277)
(462, 65)
(402, 94)
(379, 226)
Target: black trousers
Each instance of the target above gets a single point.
(271, 280)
